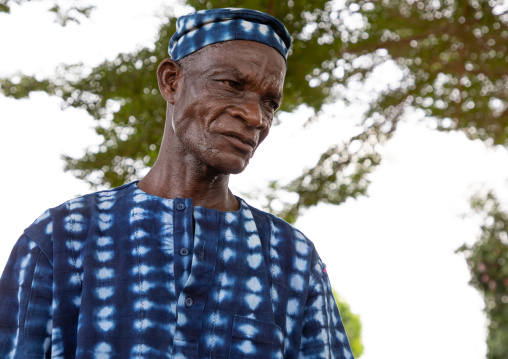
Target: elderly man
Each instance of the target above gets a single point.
(176, 266)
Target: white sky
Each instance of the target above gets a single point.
(390, 255)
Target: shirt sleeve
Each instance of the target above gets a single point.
(323, 333)
(25, 303)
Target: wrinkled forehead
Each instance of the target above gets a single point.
(247, 58)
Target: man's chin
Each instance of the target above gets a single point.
(231, 170)
(231, 167)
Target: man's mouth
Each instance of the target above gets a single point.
(242, 138)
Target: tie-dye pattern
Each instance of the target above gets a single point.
(205, 27)
(124, 274)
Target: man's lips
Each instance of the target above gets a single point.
(242, 139)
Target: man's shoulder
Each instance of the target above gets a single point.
(267, 218)
(288, 242)
(75, 208)
(72, 215)
(281, 231)
(100, 199)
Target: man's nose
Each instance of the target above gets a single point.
(249, 110)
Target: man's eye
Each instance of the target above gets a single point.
(232, 84)
(272, 105)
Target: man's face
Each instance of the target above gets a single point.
(225, 102)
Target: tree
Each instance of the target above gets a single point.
(122, 94)
(451, 57)
(487, 260)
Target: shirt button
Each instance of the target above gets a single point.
(180, 206)
(184, 251)
(189, 301)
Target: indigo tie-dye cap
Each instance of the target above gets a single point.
(205, 27)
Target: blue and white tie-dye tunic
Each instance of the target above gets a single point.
(125, 274)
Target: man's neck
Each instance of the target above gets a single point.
(207, 189)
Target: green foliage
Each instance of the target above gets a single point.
(5, 5)
(352, 324)
(487, 261)
(340, 173)
(122, 95)
(453, 57)
(63, 15)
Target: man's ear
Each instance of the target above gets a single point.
(169, 75)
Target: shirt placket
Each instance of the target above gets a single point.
(193, 295)
(182, 239)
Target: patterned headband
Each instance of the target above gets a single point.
(205, 27)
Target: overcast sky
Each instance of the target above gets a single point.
(391, 255)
